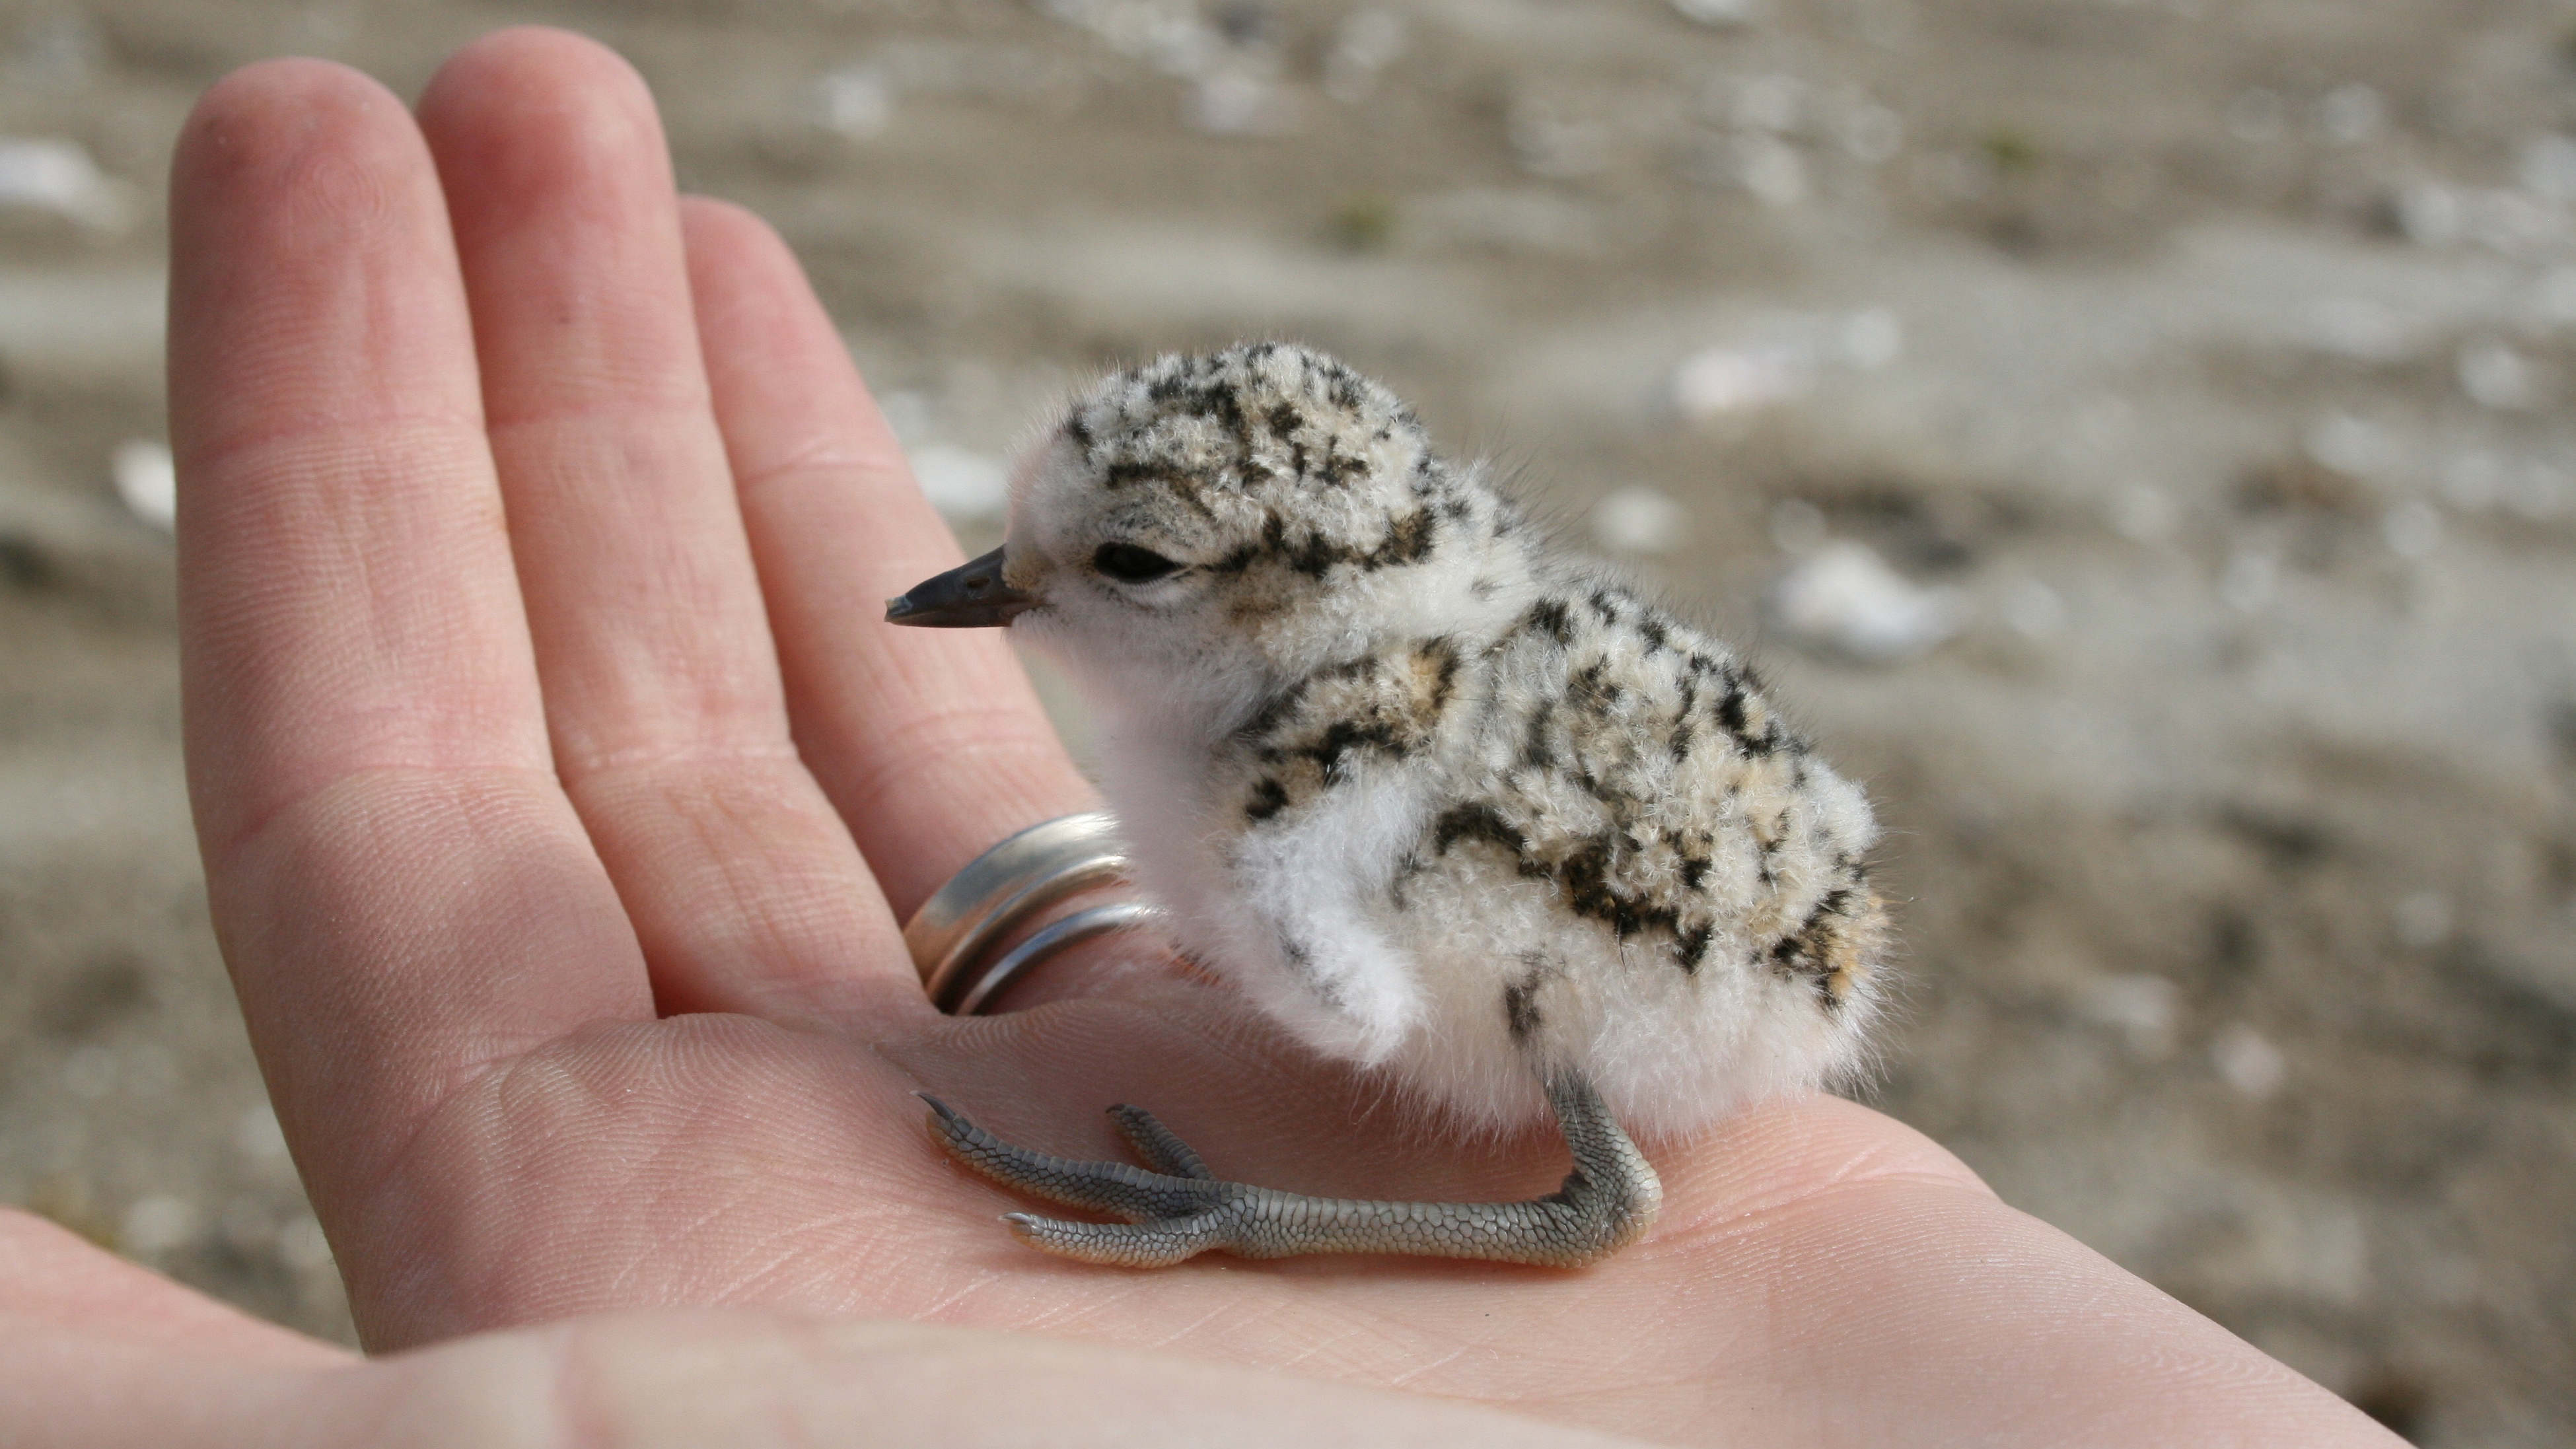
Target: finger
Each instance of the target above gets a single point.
(403, 893)
(94, 1350)
(737, 1378)
(930, 742)
(661, 684)
(52, 1283)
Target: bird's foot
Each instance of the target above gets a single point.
(1179, 1209)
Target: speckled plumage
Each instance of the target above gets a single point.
(1440, 803)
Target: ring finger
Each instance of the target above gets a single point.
(930, 742)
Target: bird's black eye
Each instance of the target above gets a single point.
(1129, 564)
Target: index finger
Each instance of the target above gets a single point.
(929, 741)
(403, 892)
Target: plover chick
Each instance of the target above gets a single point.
(1441, 804)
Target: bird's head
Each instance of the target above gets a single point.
(1210, 525)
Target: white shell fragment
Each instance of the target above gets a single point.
(155, 1225)
(2144, 513)
(1239, 101)
(1641, 520)
(58, 176)
(1720, 14)
(857, 102)
(301, 1244)
(147, 480)
(2143, 1007)
(965, 486)
(1769, 168)
(1368, 42)
(2494, 375)
(2412, 529)
(2351, 113)
(2248, 1062)
(1843, 599)
(1782, 359)
(1720, 380)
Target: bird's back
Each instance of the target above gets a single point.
(1587, 840)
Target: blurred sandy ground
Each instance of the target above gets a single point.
(2134, 432)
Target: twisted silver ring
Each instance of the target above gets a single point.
(955, 931)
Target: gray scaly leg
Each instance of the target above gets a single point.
(1180, 1209)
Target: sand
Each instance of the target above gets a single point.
(2195, 375)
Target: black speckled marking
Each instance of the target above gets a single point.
(1477, 822)
(1313, 733)
(1818, 949)
(1536, 751)
(1269, 797)
(1520, 1007)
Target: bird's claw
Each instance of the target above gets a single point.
(1128, 1245)
(1174, 1213)
(1183, 1187)
(1182, 1209)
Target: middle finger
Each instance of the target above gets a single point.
(663, 700)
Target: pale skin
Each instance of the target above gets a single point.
(561, 793)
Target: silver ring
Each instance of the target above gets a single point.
(998, 891)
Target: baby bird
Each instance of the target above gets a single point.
(1440, 803)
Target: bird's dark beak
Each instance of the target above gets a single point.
(971, 596)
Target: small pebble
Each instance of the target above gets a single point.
(2494, 375)
(1843, 599)
(2348, 444)
(1870, 339)
(2141, 1006)
(1720, 380)
(2248, 1062)
(44, 174)
(301, 1244)
(1367, 42)
(2412, 529)
(257, 1135)
(1769, 168)
(858, 102)
(2143, 513)
(2351, 113)
(1641, 520)
(965, 486)
(1236, 102)
(1720, 14)
(147, 480)
(155, 1225)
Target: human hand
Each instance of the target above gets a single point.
(94, 1351)
(560, 793)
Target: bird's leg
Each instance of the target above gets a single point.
(1180, 1209)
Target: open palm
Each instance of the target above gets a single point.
(561, 793)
